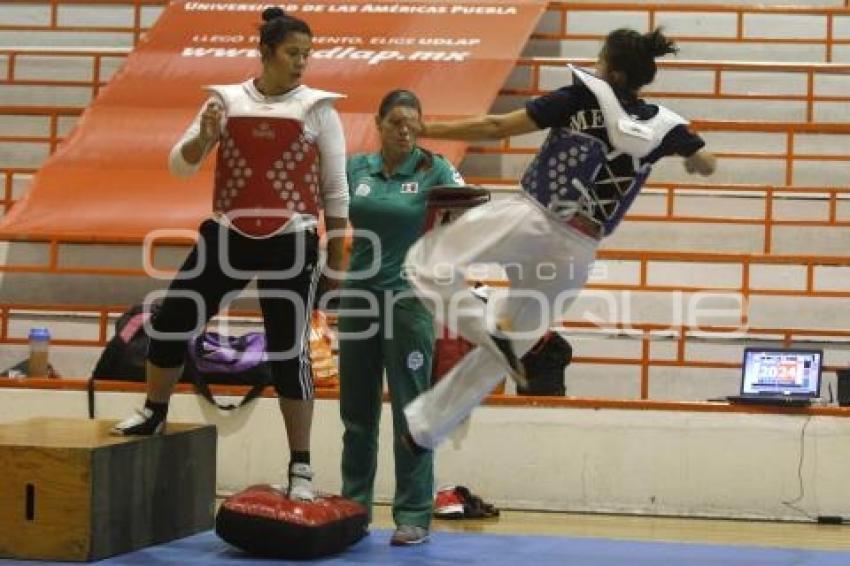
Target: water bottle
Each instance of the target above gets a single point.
(39, 344)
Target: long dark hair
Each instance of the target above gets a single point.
(633, 54)
(277, 25)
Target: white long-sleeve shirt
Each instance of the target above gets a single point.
(321, 124)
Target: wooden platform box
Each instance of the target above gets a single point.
(70, 491)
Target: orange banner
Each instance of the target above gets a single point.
(109, 180)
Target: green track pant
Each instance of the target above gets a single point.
(401, 341)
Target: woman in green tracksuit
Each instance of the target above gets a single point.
(382, 325)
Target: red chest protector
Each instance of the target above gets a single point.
(266, 170)
(267, 167)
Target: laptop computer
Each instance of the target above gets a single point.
(780, 376)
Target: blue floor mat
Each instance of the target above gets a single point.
(490, 550)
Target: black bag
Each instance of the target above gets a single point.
(545, 364)
(212, 358)
(124, 356)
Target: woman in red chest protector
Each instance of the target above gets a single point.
(280, 158)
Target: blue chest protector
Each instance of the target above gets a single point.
(576, 173)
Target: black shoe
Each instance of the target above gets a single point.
(517, 371)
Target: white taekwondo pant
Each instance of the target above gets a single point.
(547, 264)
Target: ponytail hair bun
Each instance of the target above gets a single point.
(656, 44)
(272, 13)
(633, 54)
(277, 25)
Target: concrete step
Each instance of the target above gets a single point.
(810, 3)
(581, 22)
(686, 80)
(689, 89)
(598, 380)
(37, 15)
(713, 25)
(612, 381)
(760, 160)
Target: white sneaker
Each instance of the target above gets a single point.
(301, 482)
(141, 423)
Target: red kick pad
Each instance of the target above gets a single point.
(263, 521)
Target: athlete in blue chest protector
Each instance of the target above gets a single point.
(602, 143)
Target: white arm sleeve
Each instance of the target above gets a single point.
(331, 143)
(178, 166)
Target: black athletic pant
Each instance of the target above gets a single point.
(194, 298)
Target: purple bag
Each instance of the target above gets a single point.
(219, 353)
(229, 360)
